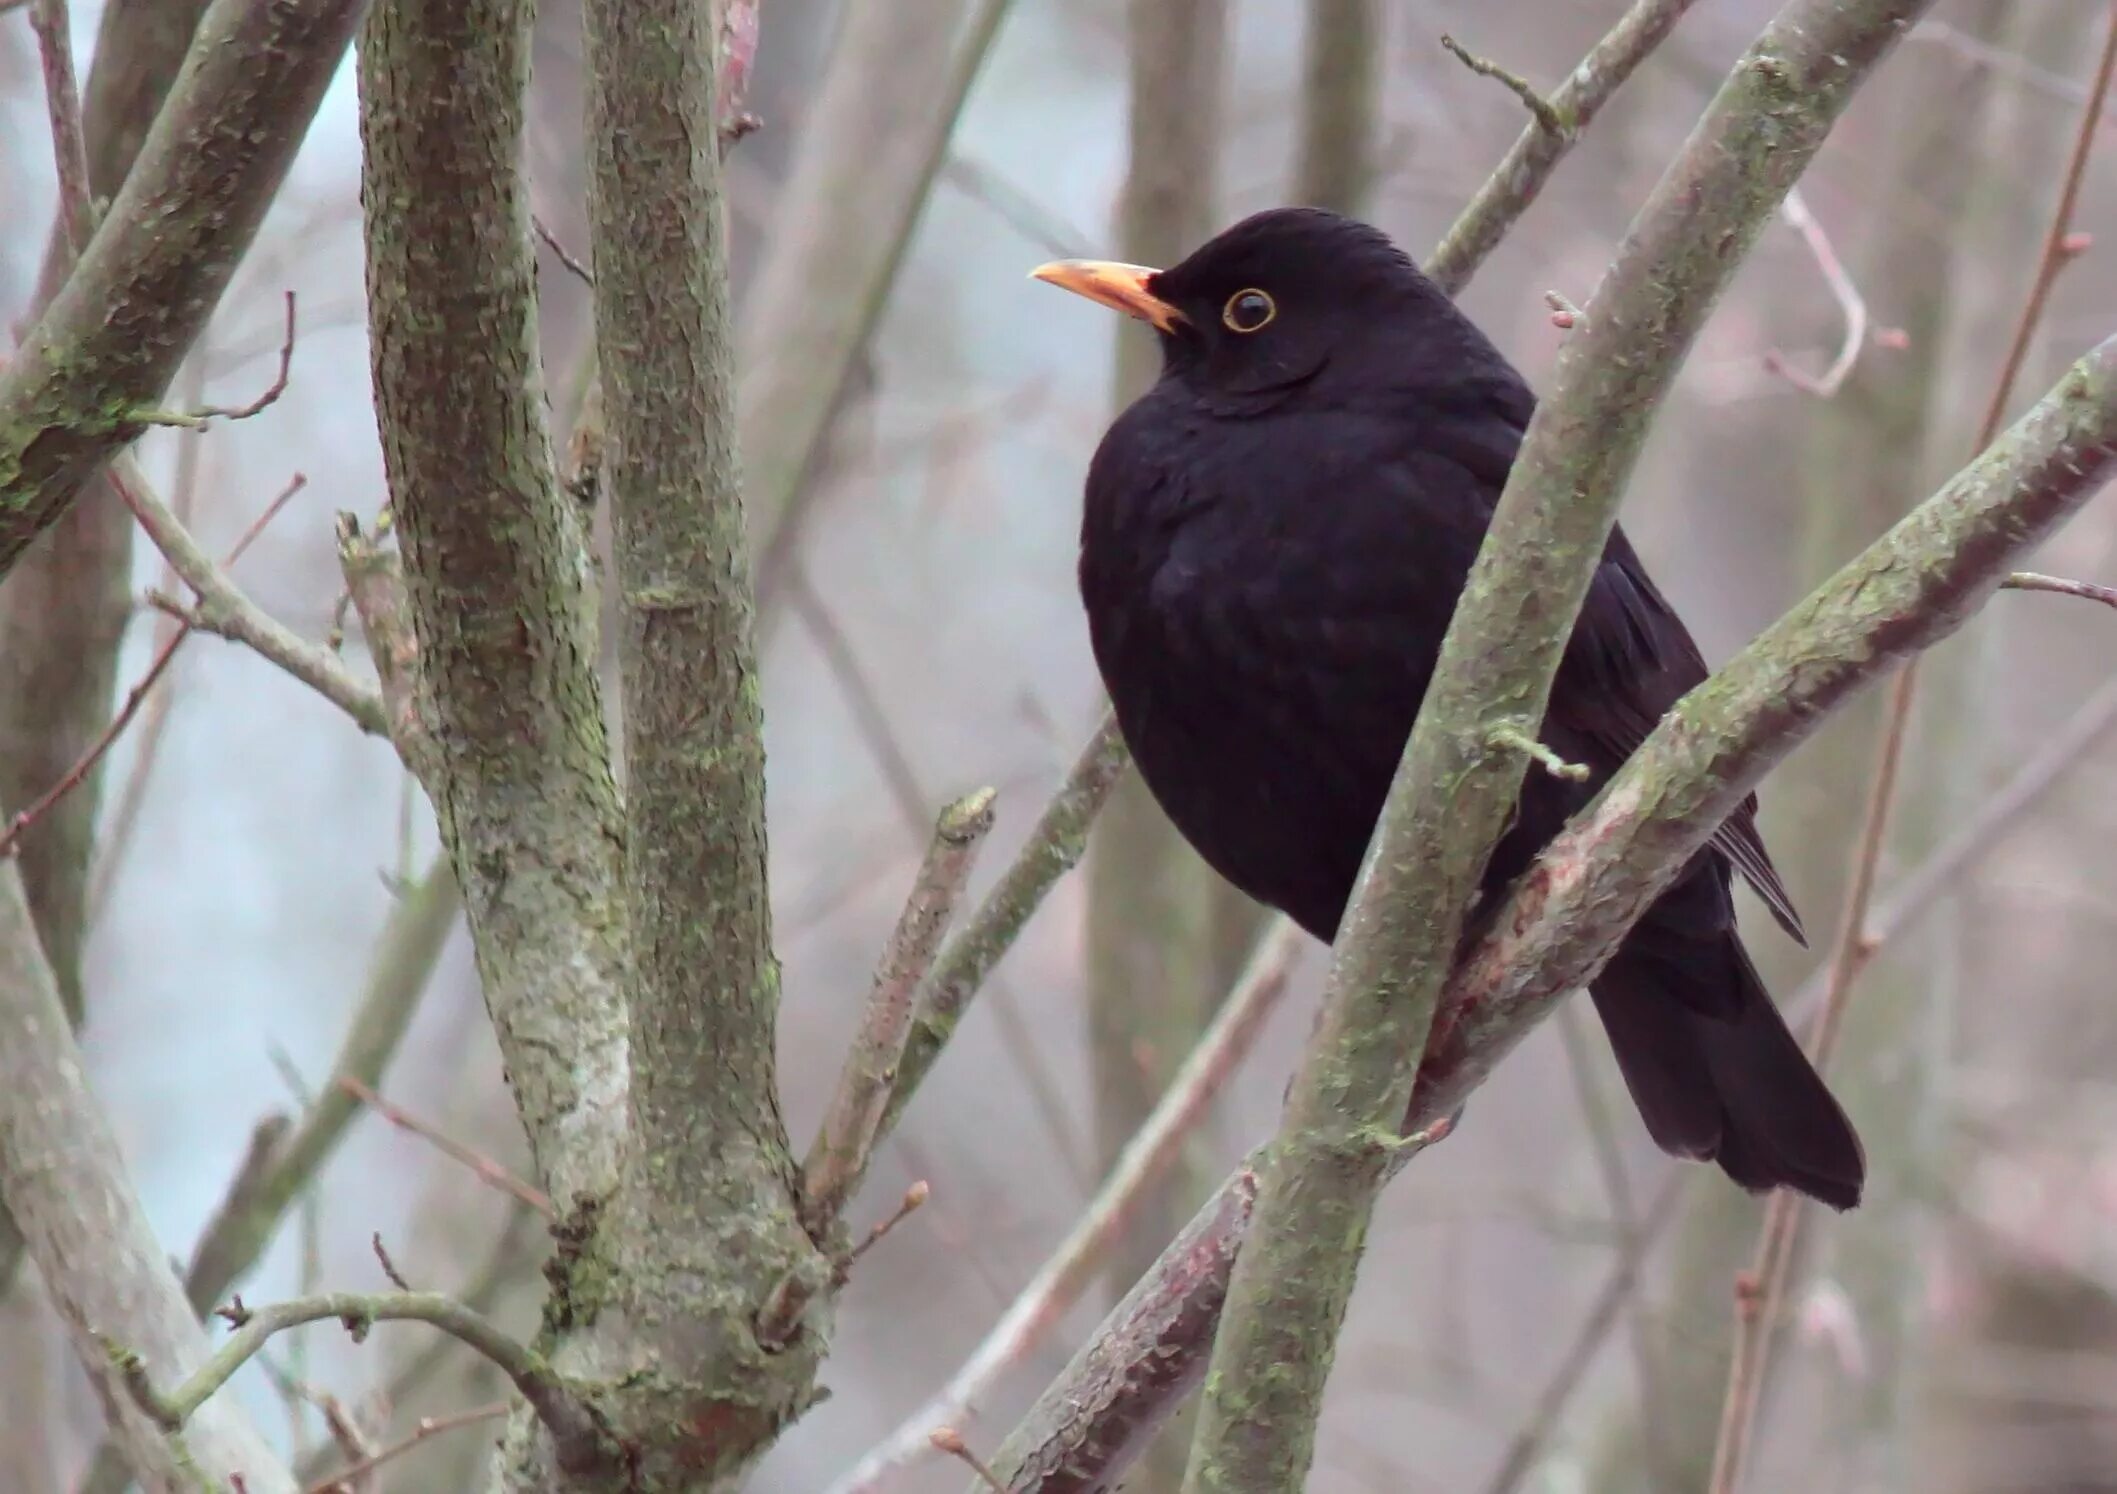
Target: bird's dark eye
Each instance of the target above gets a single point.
(1248, 310)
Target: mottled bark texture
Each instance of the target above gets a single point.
(105, 1274)
(709, 1220)
(1155, 910)
(598, 926)
(496, 569)
(80, 386)
(64, 608)
(1455, 790)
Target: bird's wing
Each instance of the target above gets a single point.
(1631, 657)
(1630, 660)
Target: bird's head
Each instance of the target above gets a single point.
(1269, 303)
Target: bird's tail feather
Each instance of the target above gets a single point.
(1726, 1081)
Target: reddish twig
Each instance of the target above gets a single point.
(62, 101)
(2065, 586)
(345, 1479)
(197, 419)
(950, 1441)
(1761, 1292)
(486, 1168)
(1832, 379)
(565, 256)
(74, 776)
(1059, 1283)
(389, 1267)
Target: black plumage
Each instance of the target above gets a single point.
(1274, 539)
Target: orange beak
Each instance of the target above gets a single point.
(1117, 286)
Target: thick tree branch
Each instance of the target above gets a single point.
(109, 343)
(103, 1270)
(1454, 793)
(496, 568)
(709, 1230)
(1536, 152)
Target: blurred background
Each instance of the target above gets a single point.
(920, 489)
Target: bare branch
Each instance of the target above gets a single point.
(2064, 586)
(347, 1479)
(1757, 1310)
(1850, 301)
(570, 1422)
(1572, 1368)
(1547, 118)
(487, 1170)
(400, 970)
(1060, 1281)
(62, 103)
(63, 1180)
(125, 478)
(164, 253)
(1454, 795)
(496, 569)
(565, 256)
(1053, 847)
(839, 1157)
(1536, 152)
(224, 610)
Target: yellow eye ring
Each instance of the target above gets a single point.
(1248, 311)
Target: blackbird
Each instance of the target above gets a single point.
(1274, 539)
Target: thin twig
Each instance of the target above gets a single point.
(839, 1157)
(62, 102)
(557, 246)
(223, 609)
(547, 1395)
(1571, 1371)
(122, 478)
(342, 1482)
(911, 799)
(198, 419)
(2065, 586)
(488, 1170)
(1634, 1230)
(1054, 846)
(950, 1441)
(1761, 1292)
(1850, 301)
(1062, 1278)
(1536, 152)
(1552, 122)
(389, 1267)
(116, 837)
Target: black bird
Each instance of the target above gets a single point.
(1274, 539)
